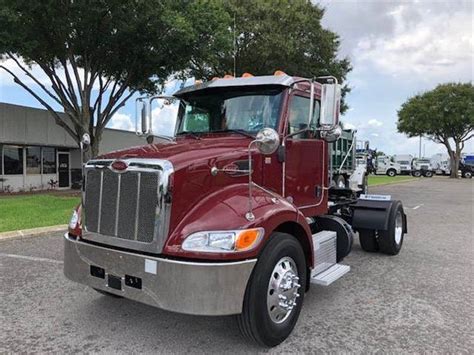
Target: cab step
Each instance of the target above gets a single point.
(330, 275)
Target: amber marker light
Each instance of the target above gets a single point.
(247, 239)
(279, 73)
(247, 75)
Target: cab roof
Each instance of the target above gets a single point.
(281, 80)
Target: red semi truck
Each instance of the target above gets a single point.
(234, 215)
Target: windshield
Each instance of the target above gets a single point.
(405, 162)
(240, 110)
(421, 161)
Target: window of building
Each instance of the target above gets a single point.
(33, 160)
(49, 160)
(299, 113)
(13, 160)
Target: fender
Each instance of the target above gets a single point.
(370, 214)
(225, 209)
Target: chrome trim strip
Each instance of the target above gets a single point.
(100, 200)
(137, 208)
(117, 204)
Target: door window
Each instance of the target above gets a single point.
(298, 117)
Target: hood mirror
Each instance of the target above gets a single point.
(267, 141)
(85, 141)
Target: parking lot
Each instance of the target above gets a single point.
(418, 301)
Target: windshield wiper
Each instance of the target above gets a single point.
(240, 131)
(190, 133)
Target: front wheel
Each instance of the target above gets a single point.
(275, 292)
(468, 175)
(391, 172)
(416, 173)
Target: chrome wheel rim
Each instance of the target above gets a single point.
(282, 290)
(398, 227)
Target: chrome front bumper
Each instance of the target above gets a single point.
(184, 287)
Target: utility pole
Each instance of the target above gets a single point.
(419, 150)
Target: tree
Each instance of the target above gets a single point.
(97, 54)
(278, 35)
(445, 115)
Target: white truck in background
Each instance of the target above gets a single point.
(422, 167)
(441, 164)
(384, 165)
(405, 161)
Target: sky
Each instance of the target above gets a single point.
(397, 49)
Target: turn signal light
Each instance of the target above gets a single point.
(247, 238)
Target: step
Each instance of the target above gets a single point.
(330, 275)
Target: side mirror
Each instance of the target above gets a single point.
(332, 135)
(267, 141)
(142, 122)
(330, 102)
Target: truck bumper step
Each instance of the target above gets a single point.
(330, 275)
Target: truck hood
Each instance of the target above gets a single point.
(184, 151)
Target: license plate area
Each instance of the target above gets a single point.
(114, 282)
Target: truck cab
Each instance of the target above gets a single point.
(234, 215)
(386, 166)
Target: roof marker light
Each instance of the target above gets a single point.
(247, 75)
(228, 76)
(279, 73)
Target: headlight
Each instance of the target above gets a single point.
(223, 241)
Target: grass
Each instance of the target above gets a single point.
(375, 180)
(32, 211)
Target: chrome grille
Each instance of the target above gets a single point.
(121, 205)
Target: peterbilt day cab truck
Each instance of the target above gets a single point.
(234, 215)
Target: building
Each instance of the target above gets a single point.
(36, 153)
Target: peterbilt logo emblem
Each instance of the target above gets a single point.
(119, 166)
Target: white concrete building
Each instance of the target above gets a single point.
(36, 153)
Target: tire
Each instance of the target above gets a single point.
(256, 322)
(105, 293)
(368, 240)
(391, 172)
(390, 241)
(428, 174)
(468, 175)
(416, 173)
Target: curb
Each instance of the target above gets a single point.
(34, 232)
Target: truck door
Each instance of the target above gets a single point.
(305, 167)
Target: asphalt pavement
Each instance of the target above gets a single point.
(418, 301)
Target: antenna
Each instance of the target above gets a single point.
(235, 47)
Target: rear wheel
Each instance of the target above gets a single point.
(468, 175)
(428, 174)
(416, 173)
(390, 241)
(368, 240)
(275, 292)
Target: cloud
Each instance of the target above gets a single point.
(374, 123)
(121, 121)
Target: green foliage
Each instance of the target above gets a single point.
(445, 112)
(108, 49)
(278, 35)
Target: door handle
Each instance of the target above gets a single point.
(317, 191)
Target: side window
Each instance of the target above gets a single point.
(196, 120)
(298, 116)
